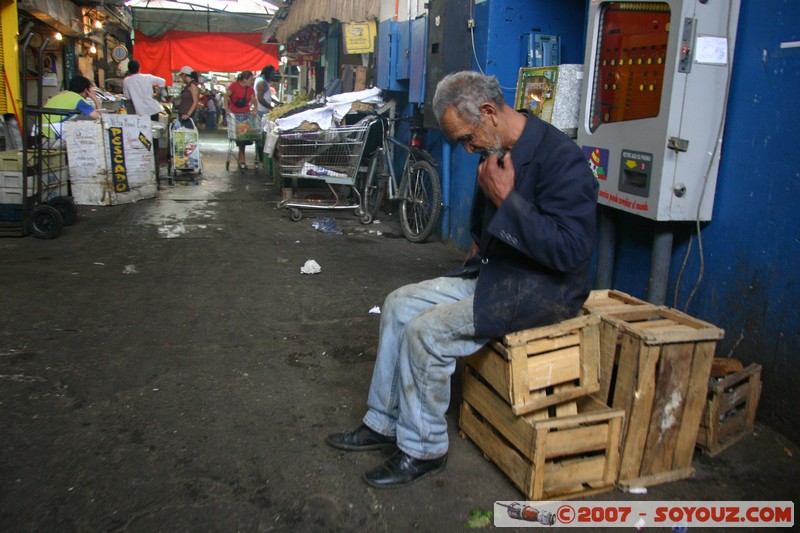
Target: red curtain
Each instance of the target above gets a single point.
(220, 52)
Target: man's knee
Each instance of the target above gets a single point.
(398, 297)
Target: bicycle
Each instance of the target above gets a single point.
(419, 193)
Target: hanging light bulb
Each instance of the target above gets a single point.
(92, 49)
(59, 36)
(98, 24)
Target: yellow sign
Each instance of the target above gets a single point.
(359, 37)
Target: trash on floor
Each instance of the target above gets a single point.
(326, 225)
(311, 267)
(375, 310)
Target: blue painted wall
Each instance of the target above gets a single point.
(750, 271)
(499, 27)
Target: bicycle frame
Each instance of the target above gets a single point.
(386, 155)
(419, 192)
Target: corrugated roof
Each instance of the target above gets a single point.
(292, 18)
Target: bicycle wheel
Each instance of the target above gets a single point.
(421, 201)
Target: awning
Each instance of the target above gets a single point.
(204, 52)
(290, 19)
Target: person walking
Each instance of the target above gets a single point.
(190, 96)
(138, 88)
(533, 229)
(211, 107)
(241, 103)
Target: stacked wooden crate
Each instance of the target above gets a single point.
(655, 365)
(730, 409)
(526, 405)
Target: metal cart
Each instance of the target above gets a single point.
(245, 128)
(35, 192)
(332, 156)
(184, 149)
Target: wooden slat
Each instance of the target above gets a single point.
(565, 473)
(493, 368)
(735, 397)
(542, 346)
(695, 400)
(565, 394)
(577, 440)
(553, 368)
(555, 330)
(517, 430)
(612, 450)
(590, 355)
(627, 370)
(755, 395)
(641, 407)
(672, 382)
(732, 424)
(513, 465)
(569, 408)
(686, 329)
(656, 479)
(659, 324)
(541, 414)
(518, 376)
(609, 336)
(728, 381)
(683, 335)
(585, 416)
(539, 463)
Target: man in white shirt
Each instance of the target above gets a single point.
(264, 91)
(138, 88)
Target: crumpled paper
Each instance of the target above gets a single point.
(311, 267)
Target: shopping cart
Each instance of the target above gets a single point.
(184, 148)
(332, 156)
(243, 128)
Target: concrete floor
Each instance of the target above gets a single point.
(165, 366)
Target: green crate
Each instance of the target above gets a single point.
(11, 160)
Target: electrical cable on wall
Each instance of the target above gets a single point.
(715, 150)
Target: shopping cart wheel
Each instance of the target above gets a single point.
(296, 215)
(46, 222)
(366, 218)
(66, 206)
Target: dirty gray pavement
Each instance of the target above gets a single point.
(165, 366)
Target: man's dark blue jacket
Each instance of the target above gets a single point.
(535, 248)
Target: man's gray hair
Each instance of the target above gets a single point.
(466, 91)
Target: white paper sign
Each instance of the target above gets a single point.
(711, 50)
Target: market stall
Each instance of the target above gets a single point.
(111, 162)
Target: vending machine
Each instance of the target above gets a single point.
(653, 108)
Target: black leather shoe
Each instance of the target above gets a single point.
(361, 439)
(401, 469)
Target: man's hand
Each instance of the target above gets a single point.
(496, 177)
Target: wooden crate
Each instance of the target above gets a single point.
(730, 410)
(557, 458)
(661, 382)
(539, 367)
(605, 302)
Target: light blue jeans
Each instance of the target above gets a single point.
(424, 328)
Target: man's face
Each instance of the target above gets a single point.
(482, 138)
